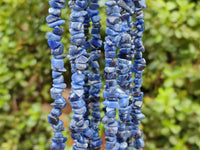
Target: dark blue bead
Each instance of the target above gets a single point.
(94, 6)
(57, 30)
(53, 119)
(95, 31)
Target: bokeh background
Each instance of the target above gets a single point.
(171, 80)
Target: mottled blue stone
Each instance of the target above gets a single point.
(96, 18)
(56, 93)
(55, 12)
(56, 146)
(54, 44)
(52, 18)
(94, 6)
(76, 25)
(53, 119)
(58, 30)
(83, 4)
(140, 3)
(56, 112)
(111, 104)
(55, 4)
(92, 13)
(53, 37)
(77, 104)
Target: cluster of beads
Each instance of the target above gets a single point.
(110, 93)
(57, 64)
(95, 76)
(137, 69)
(86, 84)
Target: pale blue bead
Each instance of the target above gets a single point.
(60, 85)
(57, 64)
(96, 18)
(111, 104)
(76, 25)
(55, 4)
(110, 3)
(54, 11)
(56, 93)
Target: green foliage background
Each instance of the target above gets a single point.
(171, 79)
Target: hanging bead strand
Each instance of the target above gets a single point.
(137, 69)
(125, 80)
(110, 93)
(95, 76)
(57, 64)
(86, 25)
(80, 131)
(124, 75)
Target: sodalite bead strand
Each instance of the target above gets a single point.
(110, 93)
(95, 76)
(124, 80)
(137, 69)
(86, 25)
(80, 131)
(54, 21)
(125, 57)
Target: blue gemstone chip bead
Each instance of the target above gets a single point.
(57, 64)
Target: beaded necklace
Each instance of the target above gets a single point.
(86, 83)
